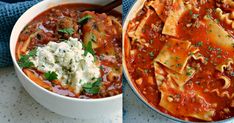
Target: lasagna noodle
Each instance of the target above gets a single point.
(158, 6)
(223, 94)
(229, 3)
(181, 79)
(227, 81)
(186, 72)
(166, 86)
(218, 35)
(228, 18)
(27, 42)
(174, 55)
(36, 79)
(227, 63)
(173, 18)
(199, 56)
(136, 36)
(167, 91)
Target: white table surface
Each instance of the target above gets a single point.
(17, 106)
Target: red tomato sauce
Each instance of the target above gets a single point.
(47, 25)
(140, 65)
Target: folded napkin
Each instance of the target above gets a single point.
(10, 11)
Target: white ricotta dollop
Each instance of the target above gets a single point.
(68, 61)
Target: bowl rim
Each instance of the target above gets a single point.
(127, 76)
(12, 52)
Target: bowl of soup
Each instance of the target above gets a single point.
(68, 57)
(178, 58)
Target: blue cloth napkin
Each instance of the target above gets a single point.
(127, 4)
(10, 11)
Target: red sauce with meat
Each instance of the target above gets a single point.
(46, 26)
(140, 65)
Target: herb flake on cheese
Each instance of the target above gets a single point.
(71, 63)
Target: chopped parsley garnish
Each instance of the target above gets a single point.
(88, 48)
(219, 51)
(191, 12)
(24, 61)
(84, 19)
(93, 38)
(92, 88)
(194, 16)
(210, 48)
(69, 31)
(217, 20)
(188, 74)
(50, 76)
(199, 44)
(101, 67)
(151, 54)
(191, 53)
(178, 65)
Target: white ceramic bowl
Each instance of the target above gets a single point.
(66, 106)
(131, 15)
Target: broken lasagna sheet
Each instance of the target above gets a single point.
(175, 54)
(172, 97)
(170, 26)
(218, 36)
(136, 33)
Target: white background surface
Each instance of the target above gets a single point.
(17, 106)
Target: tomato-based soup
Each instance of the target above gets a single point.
(180, 57)
(94, 66)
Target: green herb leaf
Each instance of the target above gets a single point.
(84, 19)
(93, 38)
(93, 88)
(151, 54)
(191, 12)
(88, 85)
(194, 16)
(69, 31)
(88, 48)
(33, 53)
(199, 44)
(50, 76)
(188, 74)
(24, 61)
